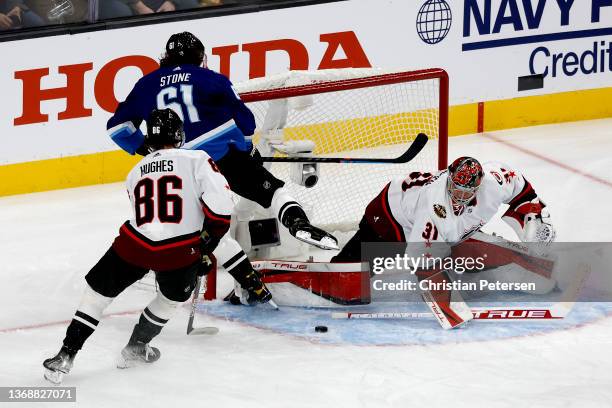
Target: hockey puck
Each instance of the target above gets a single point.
(321, 329)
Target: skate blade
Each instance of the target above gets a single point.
(123, 362)
(325, 243)
(129, 362)
(54, 377)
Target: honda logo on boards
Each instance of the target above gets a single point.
(77, 83)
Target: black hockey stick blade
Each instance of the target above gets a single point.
(415, 148)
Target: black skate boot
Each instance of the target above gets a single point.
(257, 292)
(232, 298)
(137, 353)
(56, 367)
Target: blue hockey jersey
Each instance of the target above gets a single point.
(213, 115)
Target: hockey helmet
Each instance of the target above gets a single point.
(185, 48)
(164, 128)
(464, 178)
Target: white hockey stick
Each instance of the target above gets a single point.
(194, 303)
(558, 310)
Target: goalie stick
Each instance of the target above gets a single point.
(558, 310)
(417, 145)
(480, 314)
(194, 303)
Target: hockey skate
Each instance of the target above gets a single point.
(137, 353)
(304, 231)
(56, 367)
(259, 295)
(257, 292)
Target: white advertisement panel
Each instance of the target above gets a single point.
(58, 91)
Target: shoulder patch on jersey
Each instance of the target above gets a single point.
(497, 177)
(440, 210)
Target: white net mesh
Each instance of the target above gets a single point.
(377, 121)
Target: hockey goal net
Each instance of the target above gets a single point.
(351, 113)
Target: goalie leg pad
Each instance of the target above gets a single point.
(314, 284)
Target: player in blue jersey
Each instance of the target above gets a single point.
(215, 119)
(218, 122)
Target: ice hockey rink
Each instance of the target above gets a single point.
(50, 240)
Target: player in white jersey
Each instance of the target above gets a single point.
(450, 206)
(433, 212)
(181, 206)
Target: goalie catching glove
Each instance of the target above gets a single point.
(531, 222)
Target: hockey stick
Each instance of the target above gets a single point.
(558, 310)
(417, 145)
(194, 303)
(480, 314)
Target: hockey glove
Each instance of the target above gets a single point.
(207, 265)
(538, 228)
(207, 246)
(143, 150)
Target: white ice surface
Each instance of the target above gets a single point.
(48, 241)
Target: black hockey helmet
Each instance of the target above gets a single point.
(164, 128)
(464, 178)
(183, 48)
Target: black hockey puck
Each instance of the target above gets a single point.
(321, 329)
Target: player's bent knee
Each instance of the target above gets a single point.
(93, 303)
(162, 307)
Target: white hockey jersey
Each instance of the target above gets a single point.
(174, 195)
(422, 207)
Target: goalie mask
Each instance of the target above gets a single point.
(164, 128)
(464, 178)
